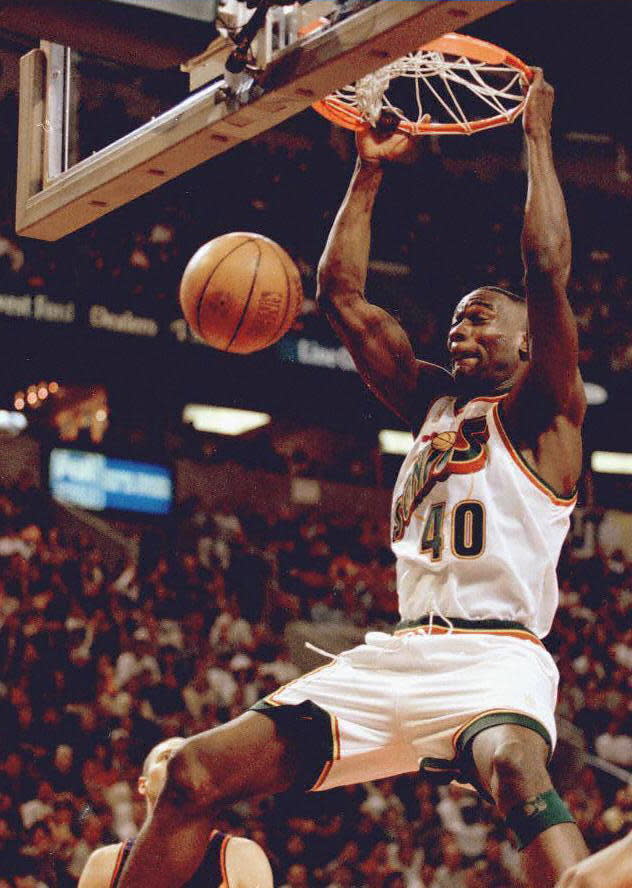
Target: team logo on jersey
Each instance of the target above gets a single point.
(459, 452)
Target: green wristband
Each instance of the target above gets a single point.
(530, 818)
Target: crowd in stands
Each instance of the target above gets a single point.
(100, 660)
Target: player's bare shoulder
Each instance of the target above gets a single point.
(99, 869)
(247, 865)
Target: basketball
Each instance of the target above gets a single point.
(443, 441)
(240, 292)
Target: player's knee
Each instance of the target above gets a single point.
(518, 772)
(191, 783)
(508, 760)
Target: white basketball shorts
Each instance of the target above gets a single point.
(412, 700)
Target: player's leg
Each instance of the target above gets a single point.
(313, 733)
(510, 761)
(243, 758)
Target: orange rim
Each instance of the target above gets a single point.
(345, 115)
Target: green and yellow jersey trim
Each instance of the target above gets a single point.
(556, 498)
(461, 767)
(490, 399)
(468, 627)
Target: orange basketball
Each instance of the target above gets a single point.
(240, 292)
(443, 441)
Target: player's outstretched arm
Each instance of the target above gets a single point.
(546, 251)
(609, 868)
(379, 346)
(247, 865)
(99, 868)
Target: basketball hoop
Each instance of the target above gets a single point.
(454, 85)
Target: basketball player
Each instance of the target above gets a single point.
(229, 861)
(481, 507)
(609, 868)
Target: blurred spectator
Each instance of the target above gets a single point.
(615, 745)
(94, 673)
(91, 837)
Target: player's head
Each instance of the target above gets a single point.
(154, 773)
(488, 340)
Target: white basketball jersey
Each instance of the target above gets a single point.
(477, 535)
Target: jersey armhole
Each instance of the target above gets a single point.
(121, 857)
(556, 498)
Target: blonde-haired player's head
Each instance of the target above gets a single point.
(244, 863)
(154, 773)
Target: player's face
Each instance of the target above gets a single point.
(153, 779)
(486, 338)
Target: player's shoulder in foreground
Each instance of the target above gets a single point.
(247, 865)
(100, 866)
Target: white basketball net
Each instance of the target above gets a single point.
(497, 87)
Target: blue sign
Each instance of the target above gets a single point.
(94, 481)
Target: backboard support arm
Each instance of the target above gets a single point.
(32, 121)
(208, 122)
